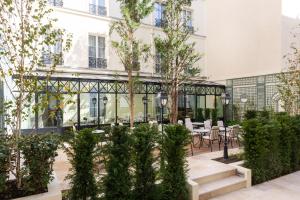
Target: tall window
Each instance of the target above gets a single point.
(159, 14)
(58, 3)
(97, 52)
(187, 20)
(158, 63)
(97, 7)
(53, 54)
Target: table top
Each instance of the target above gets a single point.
(197, 123)
(98, 131)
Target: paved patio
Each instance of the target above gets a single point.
(283, 188)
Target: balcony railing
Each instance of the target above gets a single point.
(190, 28)
(49, 58)
(97, 10)
(100, 63)
(58, 3)
(160, 23)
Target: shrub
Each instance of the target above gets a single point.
(272, 145)
(174, 171)
(117, 183)
(144, 138)
(207, 113)
(250, 114)
(83, 183)
(4, 162)
(214, 116)
(39, 153)
(199, 114)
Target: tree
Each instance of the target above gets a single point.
(83, 180)
(289, 87)
(27, 31)
(177, 53)
(129, 49)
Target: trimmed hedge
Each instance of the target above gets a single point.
(4, 162)
(174, 186)
(83, 182)
(272, 145)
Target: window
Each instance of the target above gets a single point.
(159, 14)
(53, 54)
(58, 3)
(187, 20)
(97, 7)
(97, 52)
(158, 63)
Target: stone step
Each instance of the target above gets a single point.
(213, 174)
(220, 187)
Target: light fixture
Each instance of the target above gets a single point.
(244, 98)
(225, 97)
(145, 100)
(105, 100)
(163, 99)
(94, 100)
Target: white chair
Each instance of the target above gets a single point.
(220, 124)
(207, 125)
(234, 134)
(180, 122)
(194, 132)
(213, 136)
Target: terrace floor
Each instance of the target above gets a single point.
(285, 187)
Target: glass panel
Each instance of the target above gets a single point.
(210, 101)
(101, 47)
(29, 123)
(109, 109)
(48, 116)
(123, 108)
(191, 106)
(69, 108)
(92, 46)
(200, 108)
(86, 117)
(139, 108)
(101, 3)
(153, 108)
(219, 107)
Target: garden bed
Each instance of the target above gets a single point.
(231, 159)
(13, 192)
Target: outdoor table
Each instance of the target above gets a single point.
(198, 123)
(98, 131)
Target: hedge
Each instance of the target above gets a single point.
(271, 144)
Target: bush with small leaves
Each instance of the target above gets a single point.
(39, 152)
(173, 172)
(83, 182)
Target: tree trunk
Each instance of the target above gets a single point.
(131, 97)
(17, 134)
(174, 103)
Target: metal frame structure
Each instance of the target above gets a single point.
(260, 91)
(77, 86)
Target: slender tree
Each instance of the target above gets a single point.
(177, 53)
(129, 49)
(27, 32)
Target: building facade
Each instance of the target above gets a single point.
(93, 68)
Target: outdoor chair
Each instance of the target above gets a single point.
(220, 124)
(234, 135)
(207, 125)
(213, 136)
(194, 132)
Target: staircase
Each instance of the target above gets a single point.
(214, 179)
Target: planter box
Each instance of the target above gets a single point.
(54, 192)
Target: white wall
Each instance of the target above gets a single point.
(244, 38)
(74, 17)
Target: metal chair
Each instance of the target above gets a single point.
(234, 134)
(213, 136)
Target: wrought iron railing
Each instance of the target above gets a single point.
(97, 63)
(97, 10)
(58, 3)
